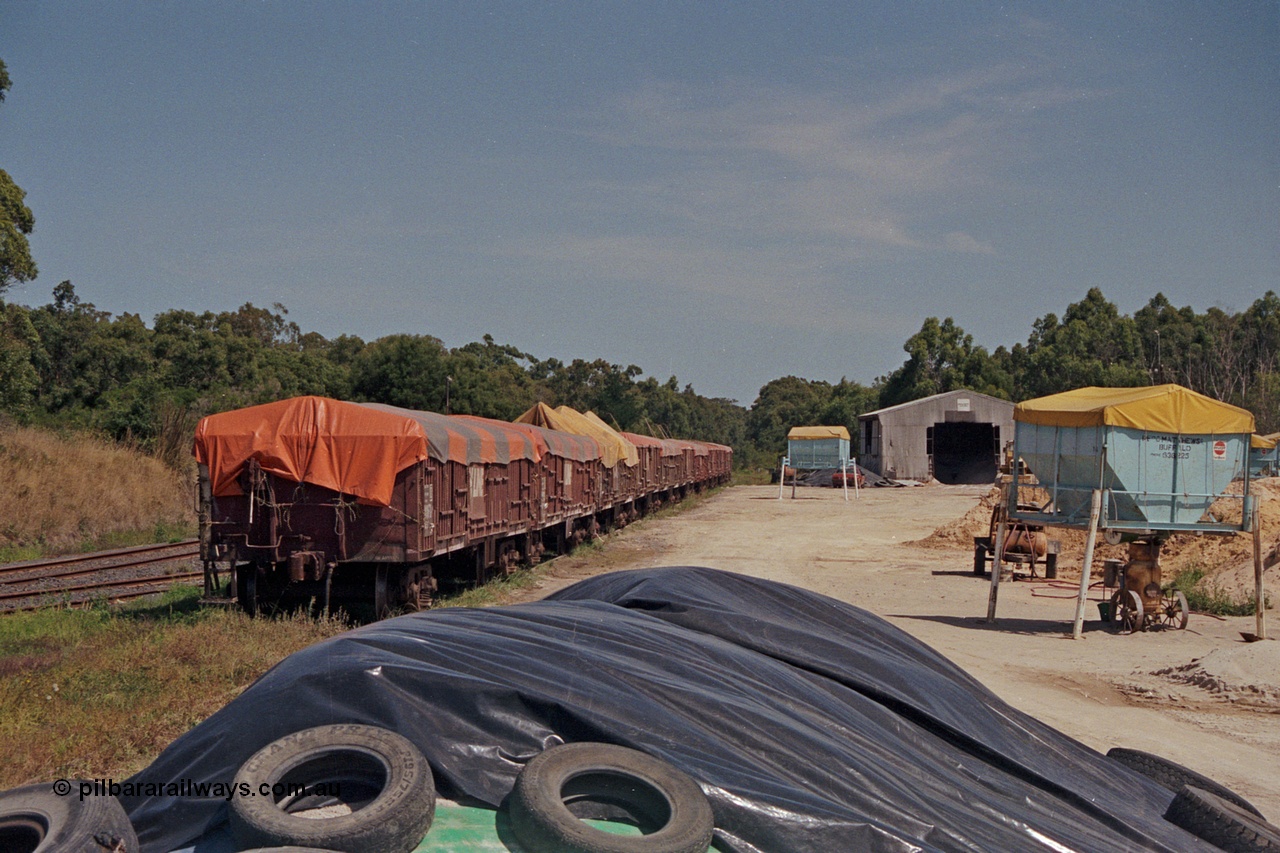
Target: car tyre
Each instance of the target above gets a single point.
(380, 776)
(1222, 822)
(566, 783)
(1174, 776)
(35, 819)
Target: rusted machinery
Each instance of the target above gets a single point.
(1141, 600)
(1026, 544)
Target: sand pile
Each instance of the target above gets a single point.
(1227, 561)
(1248, 673)
(960, 533)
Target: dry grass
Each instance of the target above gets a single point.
(98, 693)
(63, 494)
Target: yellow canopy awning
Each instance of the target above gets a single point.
(1264, 442)
(1158, 408)
(613, 447)
(814, 432)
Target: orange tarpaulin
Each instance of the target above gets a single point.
(345, 447)
(358, 448)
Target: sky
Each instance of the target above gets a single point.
(724, 192)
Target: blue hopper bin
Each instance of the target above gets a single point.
(1162, 455)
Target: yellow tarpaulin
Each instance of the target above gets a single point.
(613, 447)
(815, 432)
(1264, 442)
(1158, 408)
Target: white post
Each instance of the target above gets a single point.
(1095, 511)
(844, 478)
(1259, 600)
(782, 477)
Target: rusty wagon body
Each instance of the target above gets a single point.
(325, 499)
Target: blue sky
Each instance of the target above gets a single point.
(726, 192)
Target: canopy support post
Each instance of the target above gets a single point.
(1091, 540)
(997, 566)
(1259, 599)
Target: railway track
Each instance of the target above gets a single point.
(103, 575)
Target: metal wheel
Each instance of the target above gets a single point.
(1129, 613)
(381, 596)
(247, 588)
(1173, 611)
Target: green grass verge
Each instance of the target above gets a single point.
(161, 533)
(98, 692)
(1205, 597)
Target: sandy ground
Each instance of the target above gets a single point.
(1200, 696)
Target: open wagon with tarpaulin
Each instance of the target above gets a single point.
(323, 498)
(1136, 465)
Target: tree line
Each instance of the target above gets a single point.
(68, 365)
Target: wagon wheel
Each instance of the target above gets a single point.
(1127, 606)
(381, 594)
(1172, 612)
(247, 588)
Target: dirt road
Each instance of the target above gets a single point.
(1199, 696)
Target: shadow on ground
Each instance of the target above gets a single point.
(1025, 627)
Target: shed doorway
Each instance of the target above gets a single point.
(964, 453)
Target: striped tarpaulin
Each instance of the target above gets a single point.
(666, 446)
(470, 440)
(699, 448)
(580, 448)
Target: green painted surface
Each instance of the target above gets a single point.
(463, 829)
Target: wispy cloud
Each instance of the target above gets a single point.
(861, 170)
(766, 200)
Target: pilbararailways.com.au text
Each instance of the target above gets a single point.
(188, 788)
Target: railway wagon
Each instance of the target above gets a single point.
(668, 468)
(314, 498)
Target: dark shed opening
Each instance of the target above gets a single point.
(965, 452)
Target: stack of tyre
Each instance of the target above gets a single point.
(387, 802)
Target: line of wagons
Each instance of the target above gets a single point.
(314, 499)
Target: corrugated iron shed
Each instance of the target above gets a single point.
(953, 437)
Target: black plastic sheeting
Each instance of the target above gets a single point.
(811, 724)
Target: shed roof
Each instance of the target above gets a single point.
(1162, 408)
(959, 392)
(813, 433)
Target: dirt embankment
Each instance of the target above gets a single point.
(1226, 561)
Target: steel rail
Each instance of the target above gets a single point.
(107, 584)
(33, 565)
(132, 564)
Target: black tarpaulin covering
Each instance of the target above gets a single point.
(811, 724)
